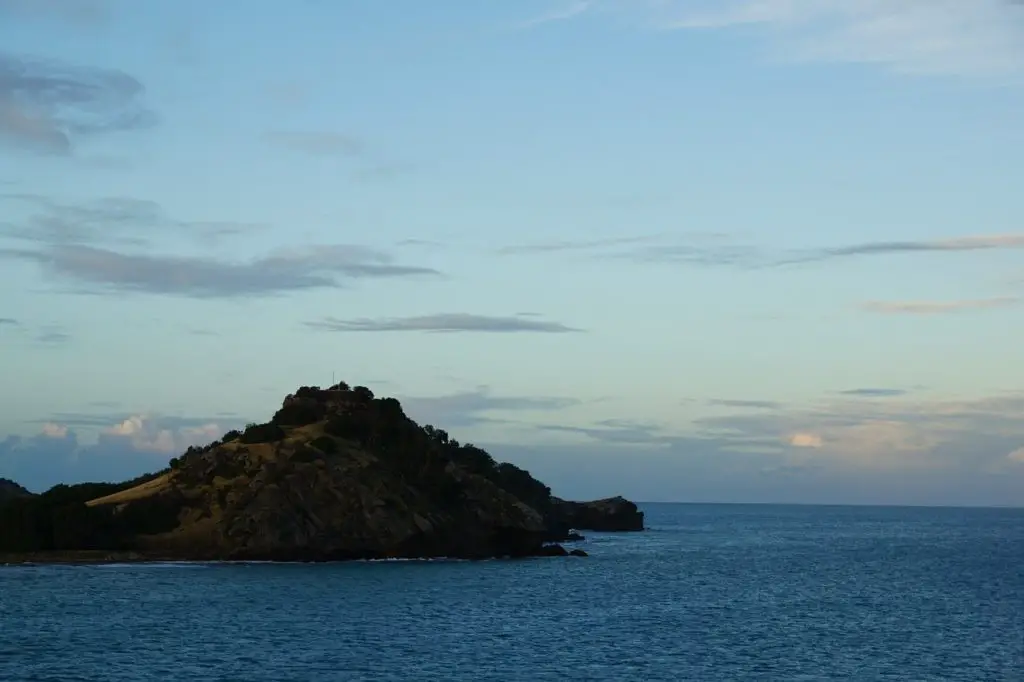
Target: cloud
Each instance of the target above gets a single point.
(474, 407)
(52, 336)
(201, 277)
(106, 220)
(874, 392)
(571, 245)
(317, 143)
(45, 106)
(443, 322)
(899, 433)
(981, 38)
(806, 440)
(750, 404)
(620, 431)
(936, 307)
(568, 11)
(718, 250)
(122, 447)
(8, 321)
(954, 244)
(1016, 456)
(383, 171)
(51, 430)
(153, 434)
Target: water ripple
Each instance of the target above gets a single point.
(711, 593)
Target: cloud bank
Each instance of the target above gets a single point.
(122, 448)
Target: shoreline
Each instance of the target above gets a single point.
(100, 557)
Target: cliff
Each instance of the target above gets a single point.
(335, 474)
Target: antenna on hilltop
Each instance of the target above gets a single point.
(332, 379)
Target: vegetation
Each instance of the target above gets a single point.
(60, 520)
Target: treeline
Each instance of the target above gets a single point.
(60, 520)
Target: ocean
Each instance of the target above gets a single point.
(710, 593)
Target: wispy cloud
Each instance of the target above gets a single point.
(45, 106)
(112, 220)
(936, 307)
(559, 13)
(572, 245)
(443, 322)
(746, 404)
(950, 37)
(467, 408)
(874, 392)
(317, 143)
(52, 336)
(10, 321)
(619, 431)
(200, 277)
(881, 248)
(713, 249)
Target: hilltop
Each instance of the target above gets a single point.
(335, 474)
(11, 490)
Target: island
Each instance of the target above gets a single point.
(336, 474)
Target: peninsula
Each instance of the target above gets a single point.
(336, 474)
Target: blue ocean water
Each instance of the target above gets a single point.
(710, 593)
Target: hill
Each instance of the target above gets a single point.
(11, 490)
(335, 474)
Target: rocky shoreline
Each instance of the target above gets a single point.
(100, 557)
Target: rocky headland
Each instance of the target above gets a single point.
(336, 474)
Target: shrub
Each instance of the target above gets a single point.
(262, 433)
(325, 444)
(363, 394)
(299, 413)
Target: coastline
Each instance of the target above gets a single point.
(98, 557)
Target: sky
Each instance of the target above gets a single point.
(728, 251)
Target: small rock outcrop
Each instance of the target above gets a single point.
(336, 474)
(607, 515)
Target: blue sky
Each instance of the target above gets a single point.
(743, 250)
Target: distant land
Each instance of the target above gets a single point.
(336, 474)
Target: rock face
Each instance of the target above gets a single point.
(610, 514)
(336, 474)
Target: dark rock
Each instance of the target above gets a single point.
(578, 552)
(606, 515)
(553, 550)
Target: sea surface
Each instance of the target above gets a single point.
(710, 593)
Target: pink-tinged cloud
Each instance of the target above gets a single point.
(937, 307)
